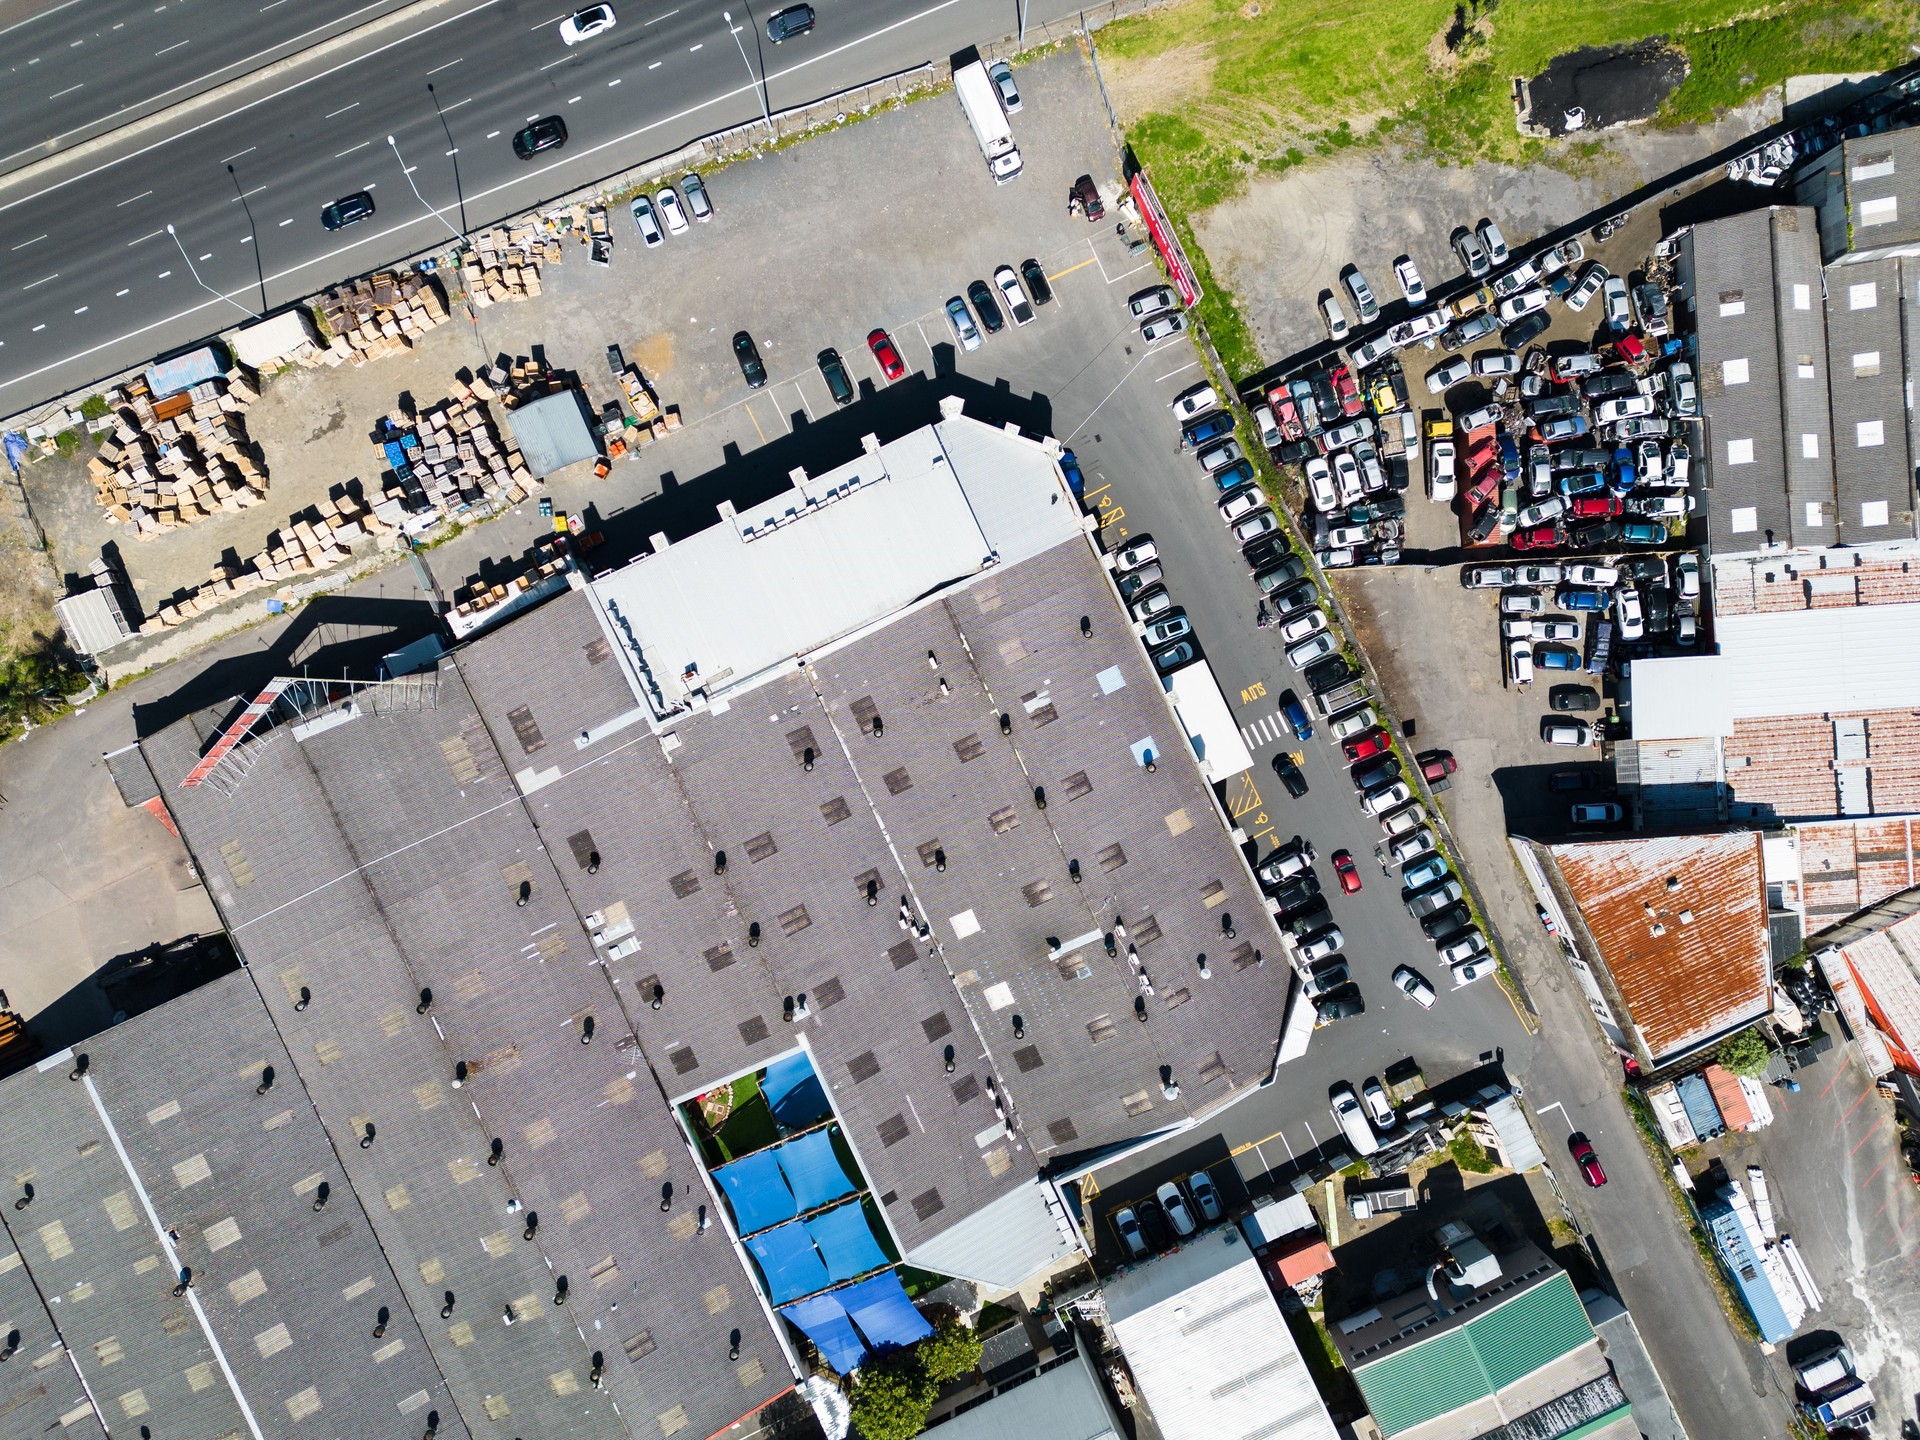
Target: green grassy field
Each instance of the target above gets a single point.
(1212, 93)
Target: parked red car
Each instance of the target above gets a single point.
(1366, 745)
(1541, 537)
(1588, 505)
(1343, 386)
(891, 365)
(1286, 414)
(1437, 764)
(1343, 867)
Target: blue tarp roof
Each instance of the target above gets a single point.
(879, 1307)
(823, 1322)
(794, 1092)
(845, 1241)
(758, 1191)
(813, 1171)
(788, 1260)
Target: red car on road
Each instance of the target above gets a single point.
(1343, 867)
(1366, 745)
(891, 365)
(1588, 1162)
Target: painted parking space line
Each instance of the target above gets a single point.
(1056, 278)
(801, 390)
(1191, 364)
(747, 405)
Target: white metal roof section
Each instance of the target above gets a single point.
(1805, 662)
(1210, 1350)
(745, 598)
(1208, 722)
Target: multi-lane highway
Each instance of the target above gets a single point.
(92, 280)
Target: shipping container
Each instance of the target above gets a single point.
(1702, 1113)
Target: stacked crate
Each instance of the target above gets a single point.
(177, 460)
(505, 264)
(378, 316)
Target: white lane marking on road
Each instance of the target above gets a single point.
(351, 148)
(457, 104)
(248, 194)
(118, 293)
(275, 5)
(613, 82)
(42, 280)
(574, 101)
(83, 310)
(231, 158)
(1306, 1126)
(448, 66)
(148, 236)
(656, 19)
(68, 91)
(555, 20)
(342, 110)
(1289, 1144)
(1116, 279)
(701, 46)
(284, 223)
(1171, 373)
(551, 63)
(171, 48)
(35, 241)
(656, 65)
(207, 256)
(163, 275)
(41, 15)
(258, 100)
(141, 196)
(378, 236)
(38, 328)
(1090, 414)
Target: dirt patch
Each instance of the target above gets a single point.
(1163, 84)
(28, 588)
(654, 355)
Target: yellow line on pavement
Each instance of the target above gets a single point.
(1071, 268)
(756, 424)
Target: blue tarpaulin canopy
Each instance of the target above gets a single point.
(813, 1171)
(823, 1322)
(845, 1241)
(788, 1260)
(883, 1312)
(794, 1093)
(758, 1191)
(879, 1307)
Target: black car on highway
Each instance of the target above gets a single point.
(347, 210)
(546, 134)
(792, 21)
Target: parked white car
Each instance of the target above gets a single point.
(1320, 484)
(1411, 285)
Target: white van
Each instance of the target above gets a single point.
(1352, 1119)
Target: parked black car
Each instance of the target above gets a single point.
(1381, 771)
(1444, 925)
(748, 354)
(1297, 892)
(1290, 775)
(834, 371)
(1595, 534)
(983, 302)
(1573, 697)
(1153, 1222)
(1341, 1004)
(1035, 275)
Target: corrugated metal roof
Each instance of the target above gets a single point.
(1756, 299)
(1873, 469)
(1883, 189)
(1743, 1264)
(552, 432)
(92, 620)
(1807, 662)
(1209, 1349)
(1067, 1402)
(1684, 980)
(1886, 966)
(1413, 1384)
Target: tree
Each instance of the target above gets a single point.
(1744, 1054)
(893, 1397)
(952, 1351)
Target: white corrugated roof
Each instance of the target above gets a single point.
(1800, 662)
(1209, 1349)
(1208, 722)
(839, 552)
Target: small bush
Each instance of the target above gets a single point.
(1744, 1054)
(950, 1352)
(1469, 1156)
(94, 407)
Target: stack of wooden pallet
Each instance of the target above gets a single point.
(177, 460)
(378, 316)
(505, 264)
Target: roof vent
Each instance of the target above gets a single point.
(1647, 906)
(1686, 917)
(1673, 883)
(1659, 930)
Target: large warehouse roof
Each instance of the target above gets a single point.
(1838, 661)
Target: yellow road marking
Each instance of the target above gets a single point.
(1071, 268)
(1247, 800)
(756, 424)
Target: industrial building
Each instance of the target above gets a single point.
(1492, 1345)
(1667, 936)
(866, 800)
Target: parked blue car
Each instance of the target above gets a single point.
(1210, 427)
(1579, 597)
(1232, 477)
(1070, 467)
(1295, 714)
(1625, 475)
(1555, 657)
(1583, 482)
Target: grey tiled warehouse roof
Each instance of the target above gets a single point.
(1760, 334)
(479, 850)
(1867, 320)
(165, 1136)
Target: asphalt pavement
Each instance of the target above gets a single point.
(74, 69)
(97, 282)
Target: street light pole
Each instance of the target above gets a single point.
(253, 234)
(416, 192)
(453, 153)
(759, 85)
(203, 284)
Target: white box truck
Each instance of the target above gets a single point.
(989, 121)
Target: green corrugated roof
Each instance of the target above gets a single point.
(1594, 1427)
(1415, 1383)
